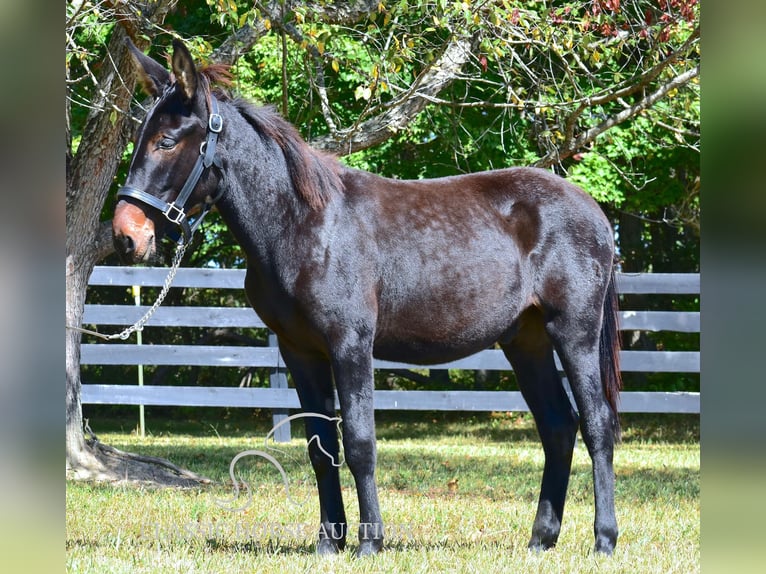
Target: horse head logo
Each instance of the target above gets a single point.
(315, 439)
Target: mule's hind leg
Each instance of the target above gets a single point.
(531, 355)
(313, 381)
(577, 342)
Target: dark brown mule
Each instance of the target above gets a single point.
(344, 265)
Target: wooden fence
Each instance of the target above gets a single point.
(281, 398)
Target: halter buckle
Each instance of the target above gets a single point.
(215, 123)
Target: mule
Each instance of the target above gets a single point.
(344, 266)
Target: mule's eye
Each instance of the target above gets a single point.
(166, 143)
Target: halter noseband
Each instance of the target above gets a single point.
(174, 211)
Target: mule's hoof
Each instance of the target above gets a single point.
(369, 548)
(541, 543)
(539, 546)
(606, 540)
(605, 546)
(327, 547)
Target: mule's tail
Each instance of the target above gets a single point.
(609, 351)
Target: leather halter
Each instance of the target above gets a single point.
(174, 211)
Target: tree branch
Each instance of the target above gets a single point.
(104, 246)
(586, 137)
(339, 13)
(401, 112)
(645, 78)
(238, 43)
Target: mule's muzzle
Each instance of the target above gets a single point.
(127, 251)
(133, 234)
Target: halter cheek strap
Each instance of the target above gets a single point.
(174, 211)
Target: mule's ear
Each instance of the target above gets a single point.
(152, 76)
(184, 69)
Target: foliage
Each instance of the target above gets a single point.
(538, 77)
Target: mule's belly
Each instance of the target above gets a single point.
(430, 352)
(451, 319)
(449, 296)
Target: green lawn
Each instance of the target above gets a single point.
(480, 526)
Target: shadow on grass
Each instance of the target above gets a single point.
(398, 425)
(513, 427)
(435, 473)
(408, 544)
(307, 548)
(651, 484)
(268, 546)
(299, 547)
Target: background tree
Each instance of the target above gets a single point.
(102, 92)
(603, 91)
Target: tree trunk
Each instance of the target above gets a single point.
(78, 457)
(89, 176)
(88, 182)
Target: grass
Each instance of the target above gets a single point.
(482, 525)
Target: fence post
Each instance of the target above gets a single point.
(139, 341)
(278, 380)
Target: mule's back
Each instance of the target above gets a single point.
(457, 259)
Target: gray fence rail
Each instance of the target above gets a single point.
(281, 398)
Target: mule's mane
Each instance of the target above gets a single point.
(217, 74)
(314, 174)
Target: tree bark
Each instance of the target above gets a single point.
(88, 182)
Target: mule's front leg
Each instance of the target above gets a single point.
(313, 381)
(354, 381)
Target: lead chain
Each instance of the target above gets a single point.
(139, 325)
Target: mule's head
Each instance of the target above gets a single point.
(171, 140)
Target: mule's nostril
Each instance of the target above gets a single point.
(124, 244)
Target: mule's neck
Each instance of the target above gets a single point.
(258, 203)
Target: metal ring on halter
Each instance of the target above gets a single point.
(174, 214)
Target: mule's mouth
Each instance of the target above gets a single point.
(131, 253)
